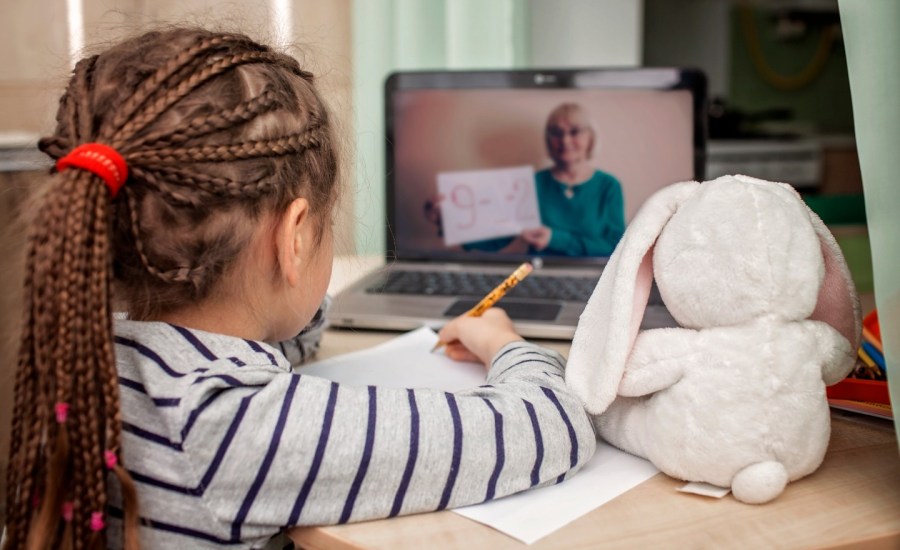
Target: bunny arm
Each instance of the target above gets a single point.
(657, 360)
(838, 355)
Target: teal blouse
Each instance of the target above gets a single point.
(590, 223)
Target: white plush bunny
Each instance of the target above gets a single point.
(768, 317)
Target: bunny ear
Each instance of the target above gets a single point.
(611, 320)
(838, 302)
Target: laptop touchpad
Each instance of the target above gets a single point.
(518, 310)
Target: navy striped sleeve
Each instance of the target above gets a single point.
(457, 451)
(317, 459)
(258, 449)
(364, 462)
(413, 454)
(500, 451)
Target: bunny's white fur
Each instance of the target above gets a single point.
(768, 317)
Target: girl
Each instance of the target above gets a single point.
(196, 177)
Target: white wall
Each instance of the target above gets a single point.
(586, 33)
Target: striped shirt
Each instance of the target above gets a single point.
(228, 445)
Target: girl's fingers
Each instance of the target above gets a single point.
(459, 352)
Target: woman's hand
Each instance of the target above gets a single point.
(431, 208)
(478, 338)
(538, 238)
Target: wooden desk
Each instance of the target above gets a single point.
(851, 501)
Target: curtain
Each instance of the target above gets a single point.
(390, 35)
(873, 62)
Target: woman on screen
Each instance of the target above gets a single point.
(582, 209)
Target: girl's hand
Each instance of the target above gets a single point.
(478, 338)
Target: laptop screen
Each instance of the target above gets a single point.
(513, 165)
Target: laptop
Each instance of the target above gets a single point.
(472, 165)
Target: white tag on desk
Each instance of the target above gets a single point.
(705, 489)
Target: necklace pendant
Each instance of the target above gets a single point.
(569, 192)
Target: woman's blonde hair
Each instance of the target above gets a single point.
(572, 112)
(217, 130)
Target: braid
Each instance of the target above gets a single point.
(96, 366)
(69, 333)
(55, 147)
(168, 180)
(240, 151)
(84, 116)
(155, 82)
(80, 429)
(113, 408)
(73, 103)
(18, 476)
(182, 274)
(218, 66)
(200, 127)
(19, 487)
(56, 490)
(172, 193)
(68, 283)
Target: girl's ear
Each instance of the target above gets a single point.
(290, 242)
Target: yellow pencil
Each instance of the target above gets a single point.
(869, 362)
(494, 296)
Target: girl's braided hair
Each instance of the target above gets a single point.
(216, 130)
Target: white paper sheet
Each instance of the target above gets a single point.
(483, 204)
(403, 362)
(406, 362)
(534, 514)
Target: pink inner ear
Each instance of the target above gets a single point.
(642, 284)
(835, 303)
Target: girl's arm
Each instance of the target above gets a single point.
(306, 451)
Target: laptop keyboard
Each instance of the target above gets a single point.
(476, 285)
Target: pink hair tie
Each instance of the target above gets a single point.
(111, 459)
(62, 411)
(68, 511)
(97, 523)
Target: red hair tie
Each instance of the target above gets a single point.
(98, 159)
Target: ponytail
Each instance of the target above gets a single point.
(210, 130)
(67, 396)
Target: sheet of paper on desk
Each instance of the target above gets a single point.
(403, 362)
(406, 362)
(535, 514)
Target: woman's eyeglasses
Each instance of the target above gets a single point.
(559, 133)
